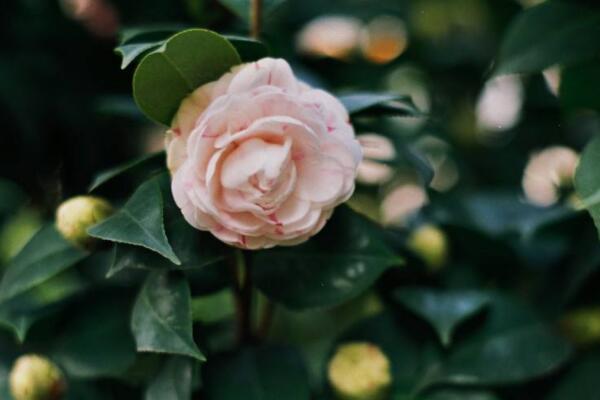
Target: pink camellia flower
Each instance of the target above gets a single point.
(259, 158)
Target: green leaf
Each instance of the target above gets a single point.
(496, 213)
(579, 87)
(241, 8)
(202, 255)
(249, 49)
(366, 103)
(46, 255)
(154, 161)
(336, 265)
(162, 316)
(257, 373)
(183, 63)
(20, 312)
(139, 222)
(587, 179)
(581, 381)
(173, 382)
(196, 249)
(214, 307)
(138, 42)
(554, 32)
(510, 357)
(443, 310)
(97, 342)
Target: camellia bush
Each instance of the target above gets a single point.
(294, 200)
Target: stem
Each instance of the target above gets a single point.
(266, 319)
(255, 18)
(242, 290)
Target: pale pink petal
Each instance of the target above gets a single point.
(320, 179)
(264, 72)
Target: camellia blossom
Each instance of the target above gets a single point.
(259, 158)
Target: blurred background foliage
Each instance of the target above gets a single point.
(502, 150)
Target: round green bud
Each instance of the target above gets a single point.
(582, 326)
(430, 243)
(36, 378)
(76, 215)
(360, 371)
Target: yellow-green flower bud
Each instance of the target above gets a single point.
(430, 243)
(76, 215)
(360, 371)
(36, 378)
(582, 326)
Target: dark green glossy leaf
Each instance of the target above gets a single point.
(581, 381)
(366, 103)
(510, 357)
(162, 318)
(579, 87)
(554, 32)
(496, 213)
(241, 7)
(249, 49)
(97, 343)
(587, 179)
(138, 42)
(46, 255)
(195, 249)
(139, 222)
(174, 380)
(261, 373)
(183, 63)
(443, 310)
(336, 265)
(20, 312)
(154, 160)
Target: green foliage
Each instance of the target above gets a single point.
(96, 344)
(379, 104)
(174, 380)
(139, 222)
(587, 180)
(161, 310)
(144, 162)
(46, 255)
(548, 34)
(167, 75)
(258, 373)
(338, 264)
(161, 320)
(444, 311)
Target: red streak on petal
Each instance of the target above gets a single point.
(270, 78)
(278, 230)
(243, 240)
(330, 129)
(284, 127)
(177, 131)
(297, 155)
(274, 218)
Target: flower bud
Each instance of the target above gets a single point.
(429, 242)
(582, 326)
(360, 371)
(36, 378)
(76, 215)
